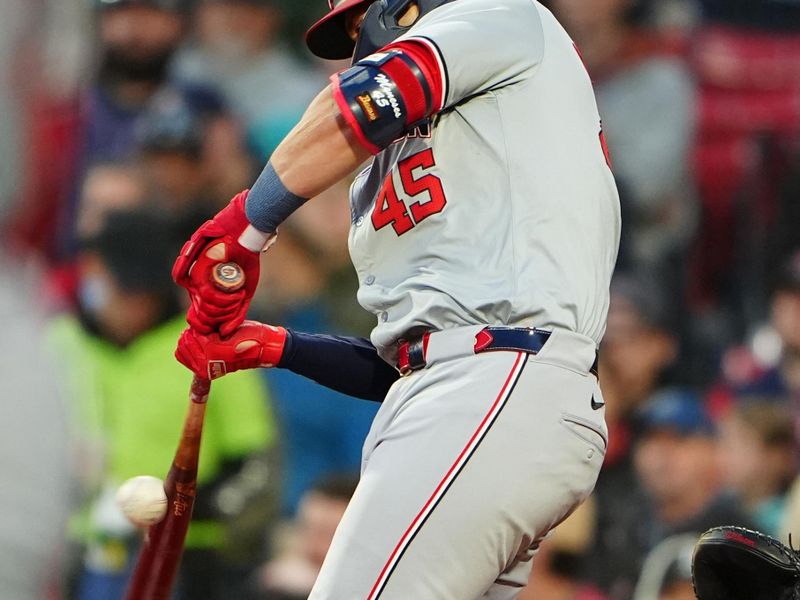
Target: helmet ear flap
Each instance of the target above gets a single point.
(381, 25)
(378, 27)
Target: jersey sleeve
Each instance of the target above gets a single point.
(478, 46)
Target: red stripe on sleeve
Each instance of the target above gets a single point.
(427, 61)
(410, 89)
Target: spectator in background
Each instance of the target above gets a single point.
(639, 347)
(646, 99)
(757, 450)
(194, 156)
(292, 573)
(127, 390)
(137, 39)
(237, 49)
(323, 431)
(676, 460)
(179, 145)
(678, 489)
(107, 187)
(770, 364)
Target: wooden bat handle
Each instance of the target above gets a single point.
(160, 556)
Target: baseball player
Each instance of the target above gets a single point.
(484, 233)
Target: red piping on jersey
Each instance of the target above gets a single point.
(473, 442)
(428, 63)
(349, 117)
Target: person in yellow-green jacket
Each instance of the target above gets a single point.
(130, 397)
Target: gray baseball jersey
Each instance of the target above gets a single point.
(504, 209)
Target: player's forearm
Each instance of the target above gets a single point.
(316, 154)
(347, 365)
(320, 151)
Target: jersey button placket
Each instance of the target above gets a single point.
(369, 280)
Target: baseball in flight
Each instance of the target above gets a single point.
(143, 500)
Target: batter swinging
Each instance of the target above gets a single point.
(484, 233)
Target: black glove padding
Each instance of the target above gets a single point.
(733, 563)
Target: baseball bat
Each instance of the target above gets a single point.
(160, 556)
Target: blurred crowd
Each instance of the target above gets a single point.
(124, 124)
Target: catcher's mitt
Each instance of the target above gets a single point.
(733, 563)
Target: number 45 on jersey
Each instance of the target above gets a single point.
(422, 189)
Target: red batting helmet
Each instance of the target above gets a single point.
(327, 38)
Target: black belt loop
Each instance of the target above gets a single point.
(411, 355)
(416, 355)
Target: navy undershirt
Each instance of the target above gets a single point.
(347, 365)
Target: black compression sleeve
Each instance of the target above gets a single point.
(348, 365)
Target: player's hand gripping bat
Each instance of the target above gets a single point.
(161, 552)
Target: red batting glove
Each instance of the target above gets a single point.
(218, 241)
(251, 346)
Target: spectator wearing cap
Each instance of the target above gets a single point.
(638, 350)
(125, 393)
(238, 50)
(676, 460)
(193, 154)
(678, 486)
